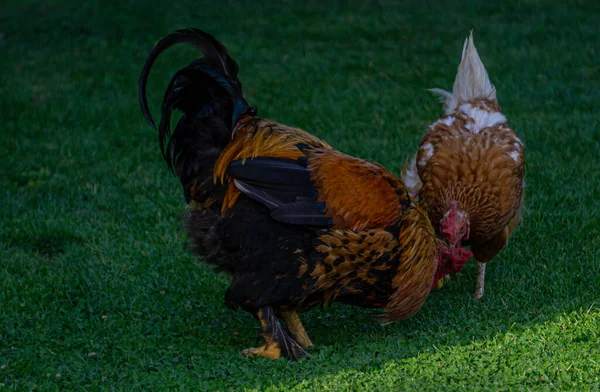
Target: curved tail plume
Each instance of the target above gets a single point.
(472, 81)
(208, 95)
(215, 55)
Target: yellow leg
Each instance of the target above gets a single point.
(278, 343)
(294, 325)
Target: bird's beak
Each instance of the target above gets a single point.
(439, 283)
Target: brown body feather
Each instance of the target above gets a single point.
(358, 193)
(477, 171)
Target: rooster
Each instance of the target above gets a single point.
(469, 170)
(294, 222)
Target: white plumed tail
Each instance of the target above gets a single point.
(472, 81)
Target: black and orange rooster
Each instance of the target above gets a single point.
(295, 222)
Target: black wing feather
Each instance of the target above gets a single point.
(258, 194)
(271, 171)
(306, 213)
(284, 186)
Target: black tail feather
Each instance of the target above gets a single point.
(215, 54)
(208, 94)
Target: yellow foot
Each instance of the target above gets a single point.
(267, 351)
(278, 344)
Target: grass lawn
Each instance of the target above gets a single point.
(96, 289)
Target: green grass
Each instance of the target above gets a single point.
(96, 288)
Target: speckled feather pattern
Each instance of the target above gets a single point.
(473, 157)
(390, 268)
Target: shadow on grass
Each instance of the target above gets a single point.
(521, 298)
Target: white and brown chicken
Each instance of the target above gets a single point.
(469, 171)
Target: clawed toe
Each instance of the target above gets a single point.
(278, 344)
(266, 351)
